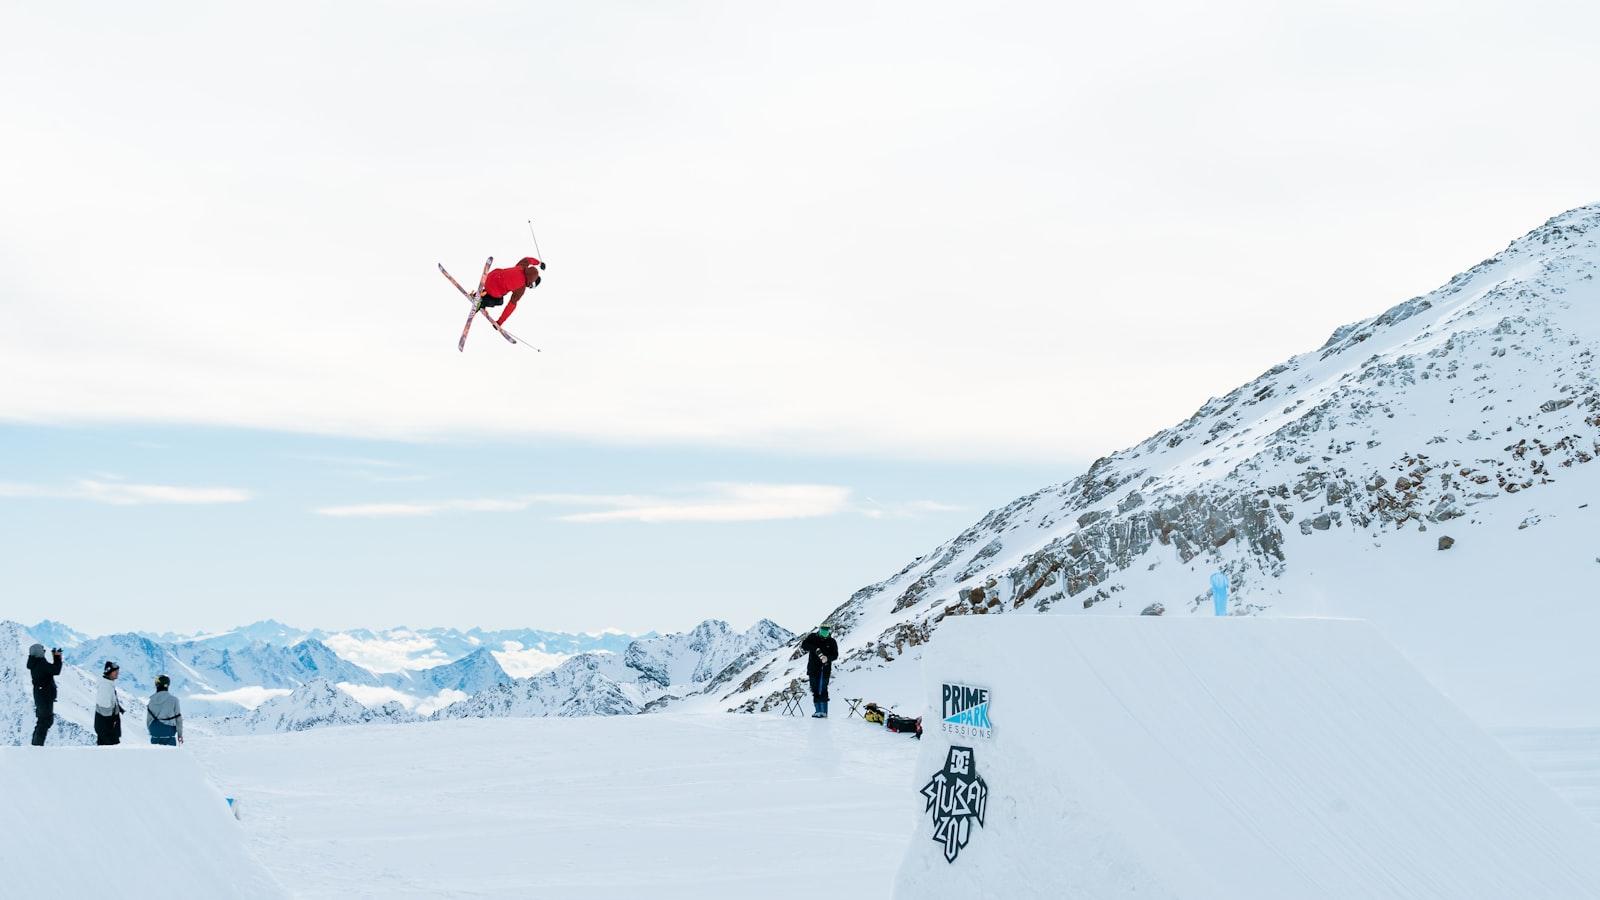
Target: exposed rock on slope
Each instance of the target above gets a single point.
(1474, 398)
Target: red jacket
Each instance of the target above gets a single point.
(501, 282)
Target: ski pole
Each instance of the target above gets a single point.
(536, 251)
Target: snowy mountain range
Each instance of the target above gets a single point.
(522, 651)
(223, 677)
(238, 686)
(611, 684)
(316, 704)
(1427, 468)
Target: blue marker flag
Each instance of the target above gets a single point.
(1219, 592)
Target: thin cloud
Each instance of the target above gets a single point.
(119, 493)
(401, 510)
(367, 462)
(381, 471)
(719, 502)
(907, 510)
(712, 503)
(732, 503)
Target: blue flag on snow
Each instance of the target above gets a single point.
(1219, 592)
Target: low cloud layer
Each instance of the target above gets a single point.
(716, 502)
(120, 493)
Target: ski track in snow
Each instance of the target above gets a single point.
(674, 805)
(1567, 759)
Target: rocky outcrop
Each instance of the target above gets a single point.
(1480, 390)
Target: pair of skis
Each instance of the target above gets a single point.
(477, 307)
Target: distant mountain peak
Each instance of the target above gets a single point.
(318, 703)
(607, 683)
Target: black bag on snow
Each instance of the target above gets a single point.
(904, 725)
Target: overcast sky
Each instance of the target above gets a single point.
(795, 253)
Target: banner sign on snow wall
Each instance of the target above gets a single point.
(965, 711)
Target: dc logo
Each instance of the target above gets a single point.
(956, 799)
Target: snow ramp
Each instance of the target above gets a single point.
(119, 822)
(1146, 757)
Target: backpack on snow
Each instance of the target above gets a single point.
(904, 725)
(874, 714)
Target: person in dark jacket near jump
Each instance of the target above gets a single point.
(44, 689)
(821, 650)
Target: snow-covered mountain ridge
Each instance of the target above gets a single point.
(228, 672)
(522, 651)
(1469, 414)
(319, 695)
(317, 704)
(269, 676)
(648, 671)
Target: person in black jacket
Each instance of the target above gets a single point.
(821, 650)
(44, 690)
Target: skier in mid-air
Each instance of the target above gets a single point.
(507, 285)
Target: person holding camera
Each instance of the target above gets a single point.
(821, 650)
(44, 689)
(162, 716)
(108, 709)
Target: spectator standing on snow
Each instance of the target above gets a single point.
(162, 715)
(108, 709)
(44, 689)
(821, 650)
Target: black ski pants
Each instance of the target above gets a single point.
(44, 711)
(107, 730)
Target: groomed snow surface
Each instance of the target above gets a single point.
(1226, 758)
(662, 806)
(126, 822)
(1230, 758)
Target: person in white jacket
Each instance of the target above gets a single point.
(162, 716)
(107, 708)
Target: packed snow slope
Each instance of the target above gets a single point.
(119, 822)
(1567, 759)
(663, 806)
(1230, 758)
(1429, 469)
